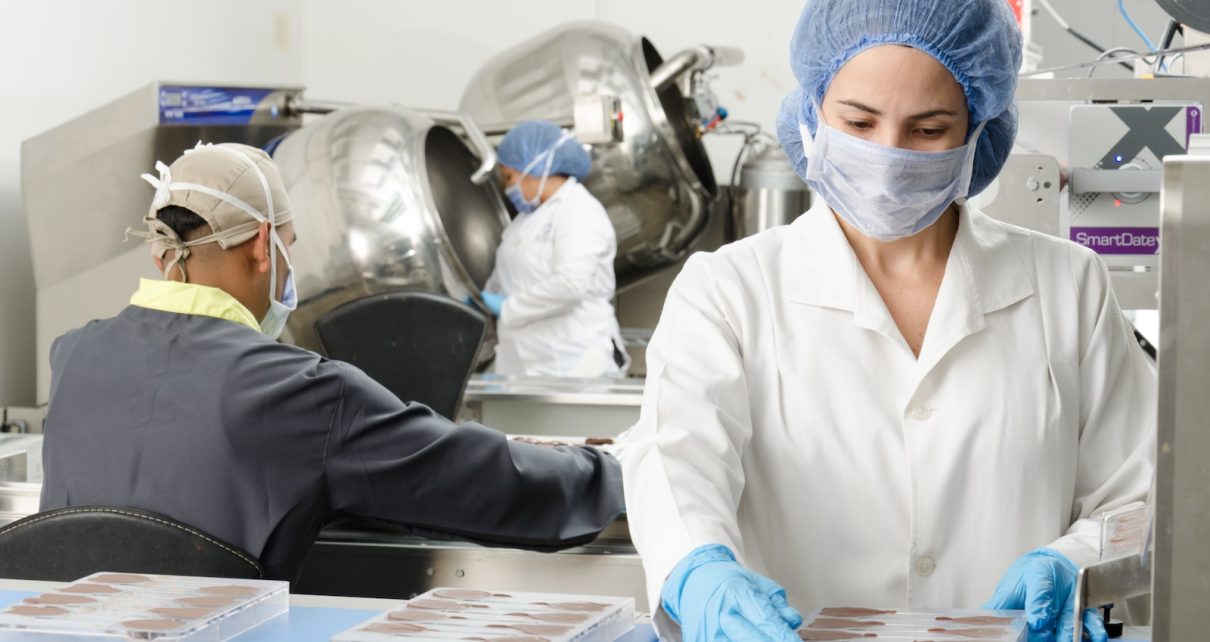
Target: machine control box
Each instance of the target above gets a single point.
(1117, 153)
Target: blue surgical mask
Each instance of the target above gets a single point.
(887, 193)
(279, 311)
(514, 193)
(517, 198)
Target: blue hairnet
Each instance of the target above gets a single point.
(533, 138)
(976, 40)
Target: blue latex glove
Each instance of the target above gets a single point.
(493, 301)
(1043, 582)
(713, 598)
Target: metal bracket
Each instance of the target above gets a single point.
(1109, 181)
(1110, 582)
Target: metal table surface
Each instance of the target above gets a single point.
(592, 392)
(311, 618)
(550, 406)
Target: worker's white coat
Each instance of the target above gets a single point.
(556, 266)
(785, 417)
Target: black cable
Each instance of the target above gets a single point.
(1169, 36)
(1146, 345)
(1089, 41)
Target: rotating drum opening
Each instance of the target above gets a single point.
(676, 111)
(472, 215)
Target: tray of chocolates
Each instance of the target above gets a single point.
(127, 606)
(493, 616)
(916, 625)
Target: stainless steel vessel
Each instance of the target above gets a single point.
(385, 201)
(769, 194)
(657, 183)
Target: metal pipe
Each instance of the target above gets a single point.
(500, 129)
(680, 64)
(315, 106)
(697, 58)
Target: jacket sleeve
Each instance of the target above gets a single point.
(682, 460)
(584, 242)
(404, 463)
(1118, 390)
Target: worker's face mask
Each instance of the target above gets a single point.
(887, 193)
(517, 198)
(279, 311)
(514, 192)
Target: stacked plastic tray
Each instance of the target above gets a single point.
(487, 616)
(166, 608)
(915, 625)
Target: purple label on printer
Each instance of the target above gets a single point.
(1193, 123)
(1118, 240)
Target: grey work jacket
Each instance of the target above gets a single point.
(259, 443)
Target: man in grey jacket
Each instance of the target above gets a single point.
(184, 404)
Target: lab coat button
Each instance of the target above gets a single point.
(925, 566)
(920, 411)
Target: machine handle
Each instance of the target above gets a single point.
(1108, 181)
(726, 56)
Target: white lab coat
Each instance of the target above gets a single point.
(785, 417)
(556, 266)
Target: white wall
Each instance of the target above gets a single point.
(64, 57)
(423, 54)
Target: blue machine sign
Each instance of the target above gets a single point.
(210, 105)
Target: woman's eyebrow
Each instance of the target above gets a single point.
(856, 105)
(933, 113)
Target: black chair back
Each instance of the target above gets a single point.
(66, 544)
(420, 346)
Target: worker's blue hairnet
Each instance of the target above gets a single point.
(529, 140)
(976, 40)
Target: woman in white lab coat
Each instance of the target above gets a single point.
(894, 401)
(553, 283)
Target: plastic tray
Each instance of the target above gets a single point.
(125, 606)
(465, 614)
(919, 625)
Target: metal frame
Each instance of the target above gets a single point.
(1182, 558)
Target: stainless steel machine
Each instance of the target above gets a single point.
(1087, 167)
(388, 199)
(769, 193)
(81, 186)
(657, 183)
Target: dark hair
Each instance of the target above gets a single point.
(181, 220)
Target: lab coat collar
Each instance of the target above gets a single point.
(563, 192)
(190, 298)
(820, 267)
(983, 274)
